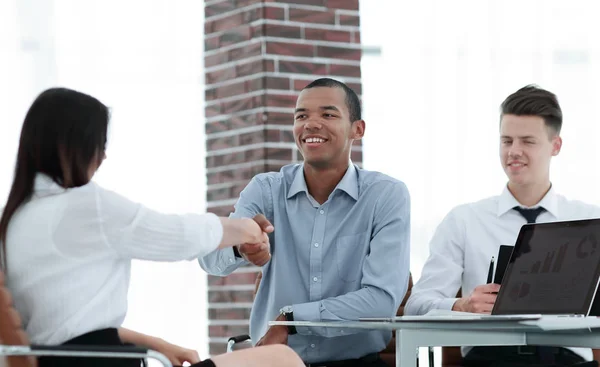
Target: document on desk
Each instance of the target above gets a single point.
(453, 316)
(448, 315)
(563, 322)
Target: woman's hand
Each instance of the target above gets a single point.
(243, 230)
(176, 354)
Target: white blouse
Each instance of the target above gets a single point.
(69, 255)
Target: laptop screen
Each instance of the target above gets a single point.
(554, 269)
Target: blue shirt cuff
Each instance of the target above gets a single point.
(229, 257)
(228, 260)
(312, 312)
(306, 312)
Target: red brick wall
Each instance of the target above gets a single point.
(258, 55)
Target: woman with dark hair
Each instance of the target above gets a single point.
(67, 243)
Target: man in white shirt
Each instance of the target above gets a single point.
(465, 241)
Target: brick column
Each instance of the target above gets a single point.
(258, 55)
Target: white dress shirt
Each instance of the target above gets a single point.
(69, 255)
(466, 240)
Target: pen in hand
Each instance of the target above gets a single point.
(490, 277)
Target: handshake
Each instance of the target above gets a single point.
(258, 250)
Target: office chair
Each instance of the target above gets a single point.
(15, 347)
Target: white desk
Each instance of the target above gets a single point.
(410, 335)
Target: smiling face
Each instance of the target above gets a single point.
(526, 147)
(322, 128)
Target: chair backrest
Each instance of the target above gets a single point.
(451, 356)
(11, 332)
(388, 355)
(400, 311)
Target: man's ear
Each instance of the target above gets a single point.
(358, 129)
(556, 145)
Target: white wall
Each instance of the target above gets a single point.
(144, 60)
(434, 95)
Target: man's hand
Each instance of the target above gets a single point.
(258, 253)
(480, 301)
(277, 334)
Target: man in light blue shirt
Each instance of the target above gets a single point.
(340, 248)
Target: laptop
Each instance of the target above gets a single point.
(554, 269)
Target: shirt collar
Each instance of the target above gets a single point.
(507, 201)
(348, 183)
(44, 185)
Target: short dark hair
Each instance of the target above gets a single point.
(63, 134)
(352, 101)
(532, 100)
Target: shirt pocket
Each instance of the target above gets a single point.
(349, 256)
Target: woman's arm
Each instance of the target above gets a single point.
(137, 232)
(268, 356)
(176, 354)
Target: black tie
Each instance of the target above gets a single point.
(530, 214)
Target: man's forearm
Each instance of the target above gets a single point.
(365, 302)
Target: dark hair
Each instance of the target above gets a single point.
(352, 101)
(63, 133)
(532, 100)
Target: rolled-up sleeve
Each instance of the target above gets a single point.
(385, 271)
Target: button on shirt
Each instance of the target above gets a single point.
(466, 240)
(345, 259)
